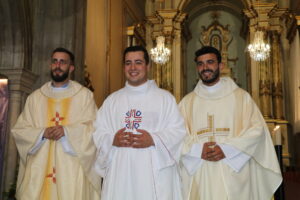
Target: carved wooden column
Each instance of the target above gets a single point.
(266, 80)
(277, 24)
(177, 59)
(277, 92)
(167, 30)
(153, 27)
(258, 16)
(265, 89)
(168, 23)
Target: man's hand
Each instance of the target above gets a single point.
(212, 152)
(142, 140)
(122, 138)
(54, 132)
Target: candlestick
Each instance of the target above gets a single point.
(277, 135)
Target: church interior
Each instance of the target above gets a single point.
(97, 32)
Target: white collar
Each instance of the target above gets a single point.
(212, 88)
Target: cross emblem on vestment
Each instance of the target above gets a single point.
(52, 175)
(211, 128)
(133, 119)
(57, 119)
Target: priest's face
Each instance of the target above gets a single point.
(209, 68)
(135, 68)
(61, 67)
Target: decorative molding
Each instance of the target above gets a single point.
(277, 16)
(167, 23)
(218, 36)
(258, 14)
(292, 23)
(277, 90)
(136, 35)
(264, 87)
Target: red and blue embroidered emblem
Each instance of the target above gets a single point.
(133, 119)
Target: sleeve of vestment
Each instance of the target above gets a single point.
(79, 135)
(251, 135)
(66, 144)
(26, 133)
(192, 150)
(40, 141)
(169, 140)
(234, 158)
(103, 138)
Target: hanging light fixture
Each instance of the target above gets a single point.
(160, 54)
(258, 49)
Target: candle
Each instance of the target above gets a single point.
(277, 135)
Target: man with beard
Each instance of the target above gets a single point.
(53, 135)
(228, 154)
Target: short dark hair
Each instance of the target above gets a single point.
(64, 50)
(206, 50)
(137, 48)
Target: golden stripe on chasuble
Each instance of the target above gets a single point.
(57, 114)
(211, 128)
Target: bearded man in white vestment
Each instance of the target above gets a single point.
(228, 154)
(53, 135)
(139, 134)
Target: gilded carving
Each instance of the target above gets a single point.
(264, 87)
(136, 35)
(277, 90)
(218, 36)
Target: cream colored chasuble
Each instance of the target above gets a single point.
(53, 171)
(57, 115)
(230, 117)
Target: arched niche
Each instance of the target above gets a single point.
(223, 22)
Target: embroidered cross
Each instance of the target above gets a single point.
(133, 119)
(211, 128)
(57, 119)
(52, 175)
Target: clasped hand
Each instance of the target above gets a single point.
(212, 152)
(54, 132)
(128, 139)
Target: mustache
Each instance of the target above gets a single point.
(206, 70)
(57, 70)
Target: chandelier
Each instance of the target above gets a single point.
(160, 54)
(259, 50)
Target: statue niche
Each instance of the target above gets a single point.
(218, 36)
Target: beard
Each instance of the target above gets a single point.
(214, 77)
(59, 78)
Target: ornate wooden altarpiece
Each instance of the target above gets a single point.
(219, 36)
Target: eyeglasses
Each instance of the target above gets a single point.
(61, 61)
(208, 62)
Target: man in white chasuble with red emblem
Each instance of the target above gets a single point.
(53, 135)
(229, 154)
(139, 134)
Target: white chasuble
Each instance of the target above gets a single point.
(140, 173)
(50, 172)
(228, 116)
